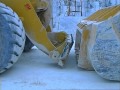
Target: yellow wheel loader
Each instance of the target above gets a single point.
(29, 18)
(24, 23)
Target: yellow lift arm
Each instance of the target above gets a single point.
(45, 41)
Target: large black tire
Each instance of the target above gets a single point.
(28, 45)
(12, 37)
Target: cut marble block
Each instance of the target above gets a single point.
(81, 50)
(99, 47)
(105, 49)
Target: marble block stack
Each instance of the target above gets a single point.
(98, 47)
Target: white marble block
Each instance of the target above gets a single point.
(100, 47)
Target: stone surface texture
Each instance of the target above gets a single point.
(100, 47)
(105, 52)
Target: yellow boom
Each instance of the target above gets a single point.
(56, 45)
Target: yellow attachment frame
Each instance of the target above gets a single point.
(34, 28)
(101, 15)
(104, 14)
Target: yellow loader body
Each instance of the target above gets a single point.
(53, 44)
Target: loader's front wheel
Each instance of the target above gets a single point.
(12, 37)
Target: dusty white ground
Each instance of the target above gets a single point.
(35, 71)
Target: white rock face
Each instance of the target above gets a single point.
(105, 51)
(100, 47)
